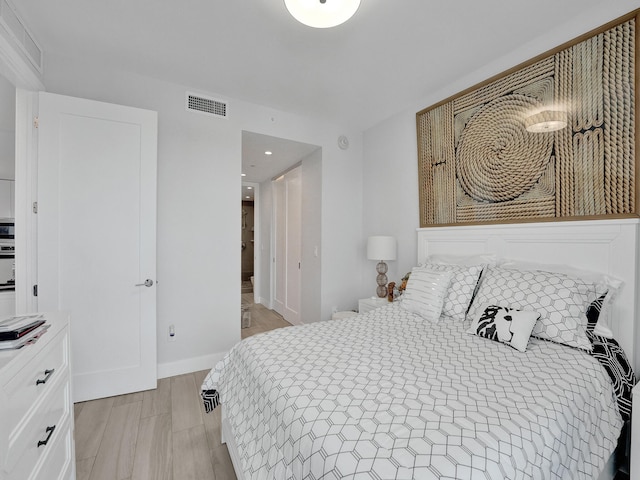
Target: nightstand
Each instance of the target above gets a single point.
(366, 304)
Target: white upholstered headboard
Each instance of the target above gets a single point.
(607, 246)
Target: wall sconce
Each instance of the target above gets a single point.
(546, 121)
(322, 13)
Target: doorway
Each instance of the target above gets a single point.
(7, 196)
(248, 233)
(264, 159)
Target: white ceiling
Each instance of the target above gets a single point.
(388, 56)
(259, 167)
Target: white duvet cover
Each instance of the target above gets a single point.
(388, 395)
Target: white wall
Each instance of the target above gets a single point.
(390, 167)
(311, 280)
(199, 166)
(391, 194)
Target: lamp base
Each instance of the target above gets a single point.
(381, 279)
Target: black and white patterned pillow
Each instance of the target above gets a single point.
(613, 359)
(425, 292)
(593, 312)
(506, 325)
(463, 284)
(560, 299)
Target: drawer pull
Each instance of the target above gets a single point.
(48, 373)
(46, 440)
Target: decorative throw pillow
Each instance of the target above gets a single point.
(425, 292)
(506, 325)
(594, 313)
(560, 299)
(612, 357)
(463, 284)
(604, 284)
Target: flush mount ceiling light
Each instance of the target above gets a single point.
(322, 13)
(546, 121)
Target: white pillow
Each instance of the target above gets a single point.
(506, 325)
(604, 284)
(560, 299)
(425, 292)
(460, 292)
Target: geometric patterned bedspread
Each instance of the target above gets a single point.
(387, 395)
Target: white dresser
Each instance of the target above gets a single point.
(36, 411)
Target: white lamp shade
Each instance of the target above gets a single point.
(317, 14)
(381, 248)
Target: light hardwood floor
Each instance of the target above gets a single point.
(160, 434)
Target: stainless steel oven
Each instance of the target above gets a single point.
(7, 264)
(7, 229)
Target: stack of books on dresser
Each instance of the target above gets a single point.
(18, 331)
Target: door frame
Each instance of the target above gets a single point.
(26, 188)
(17, 69)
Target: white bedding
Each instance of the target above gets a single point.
(387, 395)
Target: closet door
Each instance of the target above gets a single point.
(288, 246)
(97, 239)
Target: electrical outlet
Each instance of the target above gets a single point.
(172, 333)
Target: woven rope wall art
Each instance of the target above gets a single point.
(478, 162)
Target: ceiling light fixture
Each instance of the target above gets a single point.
(243, 174)
(268, 153)
(546, 121)
(322, 13)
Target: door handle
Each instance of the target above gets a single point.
(147, 283)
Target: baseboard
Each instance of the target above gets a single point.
(188, 365)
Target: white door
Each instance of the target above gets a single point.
(288, 245)
(97, 239)
(294, 245)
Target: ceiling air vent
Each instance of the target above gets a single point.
(15, 27)
(206, 105)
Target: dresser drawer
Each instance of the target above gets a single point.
(36, 379)
(26, 449)
(58, 462)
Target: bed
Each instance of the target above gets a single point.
(394, 393)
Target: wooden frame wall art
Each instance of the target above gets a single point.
(478, 161)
